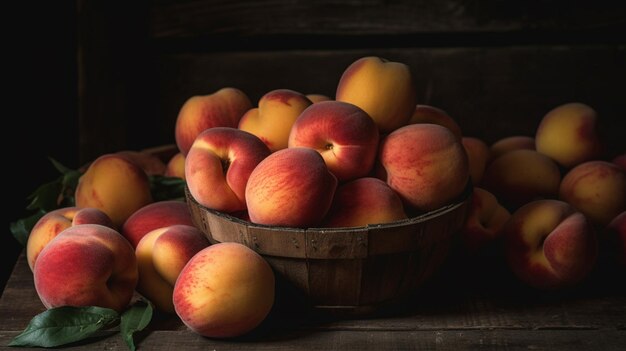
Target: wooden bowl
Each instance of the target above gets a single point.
(356, 268)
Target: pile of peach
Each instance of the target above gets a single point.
(372, 155)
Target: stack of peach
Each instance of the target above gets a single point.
(371, 155)
(550, 199)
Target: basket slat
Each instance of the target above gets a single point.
(346, 268)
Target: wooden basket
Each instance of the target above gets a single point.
(356, 268)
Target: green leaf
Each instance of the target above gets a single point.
(46, 196)
(22, 227)
(68, 187)
(135, 319)
(64, 325)
(167, 188)
(61, 168)
(57, 193)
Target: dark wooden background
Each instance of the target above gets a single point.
(103, 76)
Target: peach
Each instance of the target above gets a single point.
(511, 143)
(54, 222)
(383, 89)
(477, 155)
(597, 189)
(86, 265)
(161, 256)
(520, 176)
(154, 216)
(426, 164)
(364, 201)
(435, 115)
(115, 186)
(549, 245)
(345, 136)
(175, 167)
(291, 187)
(485, 221)
(219, 164)
(568, 134)
(151, 164)
(225, 290)
(271, 121)
(222, 108)
(317, 97)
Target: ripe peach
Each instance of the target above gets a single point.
(223, 108)
(511, 143)
(345, 136)
(154, 216)
(218, 166)
(115, 186)
(86, 265)
(291, 187)
(520, 176)
(426, 164)
(477, 156)
(176, 166)
(549, 245)
(161, 255)
(435, 115)
(225, 290)
(383, 89)
(485, 221)
(597, 189)
(54, 222)
(272, 120)
(364, 201)
(568, 134)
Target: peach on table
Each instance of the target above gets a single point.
(114, 185)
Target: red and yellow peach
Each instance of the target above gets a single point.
(225, 290)
(219, 164)
(291, 187)
(271, 121)
(345, 136)
(161, 256)
(86, 265)
(549, 245)
(426, 164)
(223, 108)
(114, 185)
(383, 89)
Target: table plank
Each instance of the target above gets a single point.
(607, 340)
(446, 314)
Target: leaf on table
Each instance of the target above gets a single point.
(46, 196)
(57, 193)
(22, 227)
(64, 325)
(135, 319)
(166, 188)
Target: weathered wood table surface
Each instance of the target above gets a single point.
(463, 307)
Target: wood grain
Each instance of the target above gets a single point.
(447, 314)
(490, 92)
(252, 18)
(496, 69)
(340, 268)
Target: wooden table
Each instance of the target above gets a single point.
(464, 307)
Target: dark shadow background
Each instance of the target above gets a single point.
(42, 88)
